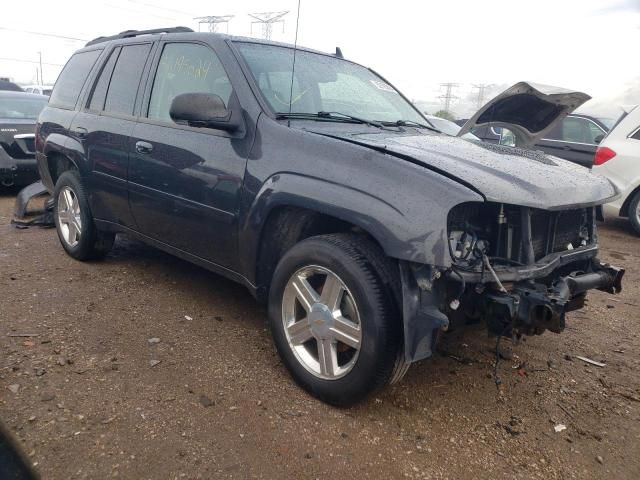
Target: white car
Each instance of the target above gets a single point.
(39, 89)
(618, 159)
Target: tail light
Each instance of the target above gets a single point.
(603, 154)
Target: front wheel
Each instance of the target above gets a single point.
(334, 319)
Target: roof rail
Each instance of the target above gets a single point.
(135, 33)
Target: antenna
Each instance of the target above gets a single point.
(267, 19)
(212, 21)
(293, 67)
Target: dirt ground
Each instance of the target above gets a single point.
(86, 398)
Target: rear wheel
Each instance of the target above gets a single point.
(634, 212)
(334, 320)
(74, 223)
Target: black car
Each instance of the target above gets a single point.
(575, 138)
(324, 191)
(18, 114)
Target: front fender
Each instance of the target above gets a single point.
(406, 229)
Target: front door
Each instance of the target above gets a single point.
(184, 182)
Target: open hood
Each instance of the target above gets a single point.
(529, 110)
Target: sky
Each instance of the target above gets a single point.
(585, 45)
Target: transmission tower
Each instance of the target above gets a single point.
(267, 20)
(213, 21)
(448, 96)
(482, 90)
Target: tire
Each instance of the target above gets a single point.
(365, 309)
(634, 212)
(76, 231)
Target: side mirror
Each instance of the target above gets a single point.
(598, 139)
(202, 110)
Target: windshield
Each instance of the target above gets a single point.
(23, 106)
(323, 84)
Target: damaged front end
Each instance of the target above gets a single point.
(517, 269)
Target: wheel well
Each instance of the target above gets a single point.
(624, 211)
(58, 164)
(286, 226)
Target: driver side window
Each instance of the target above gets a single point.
(186, 68)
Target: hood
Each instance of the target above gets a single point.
(501, 174)
(529, 110)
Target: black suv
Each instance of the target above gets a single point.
(324, 191)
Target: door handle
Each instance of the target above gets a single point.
(144, 147)
(80, 132)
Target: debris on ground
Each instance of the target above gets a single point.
(559, 427)
(14, 388)
(153, 340)
(153, 363)
(592, 362)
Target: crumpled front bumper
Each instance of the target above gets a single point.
(530, 308)
(433, 297)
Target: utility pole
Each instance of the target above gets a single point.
(482, 88)
(267, 20)
(212, 22)
(41, 75)
(448, 96)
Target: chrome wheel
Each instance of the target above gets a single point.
(321, 322)
(69, 221)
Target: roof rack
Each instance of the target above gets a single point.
(135, 33)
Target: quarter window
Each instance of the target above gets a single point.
(71, 80)
(100, 90)
(123, 88)
(636, 135)
(186, 68)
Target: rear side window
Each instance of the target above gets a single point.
(67, 89)
(123, 88)
(100, 90)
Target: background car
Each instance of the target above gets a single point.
(7, 85)
(39, 89)
(18, 114)
(618, 159)
(575, 138)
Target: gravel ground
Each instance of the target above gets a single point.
(92, 397)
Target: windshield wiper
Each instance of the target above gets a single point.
(329, 116)
(410, 123)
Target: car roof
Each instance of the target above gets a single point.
(131, 37)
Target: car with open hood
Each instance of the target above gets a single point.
(315, 183)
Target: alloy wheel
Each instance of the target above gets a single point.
(69, 219)
(321, 322)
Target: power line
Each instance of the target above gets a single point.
(44, 34)
(31, 61)
(267, 20)
(448, 96)
(212, 21)
(482, 90)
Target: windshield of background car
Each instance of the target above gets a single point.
(23, 107)
(322, 83)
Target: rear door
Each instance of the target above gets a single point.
(105, 125)
(575, 139)
(184, 181)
